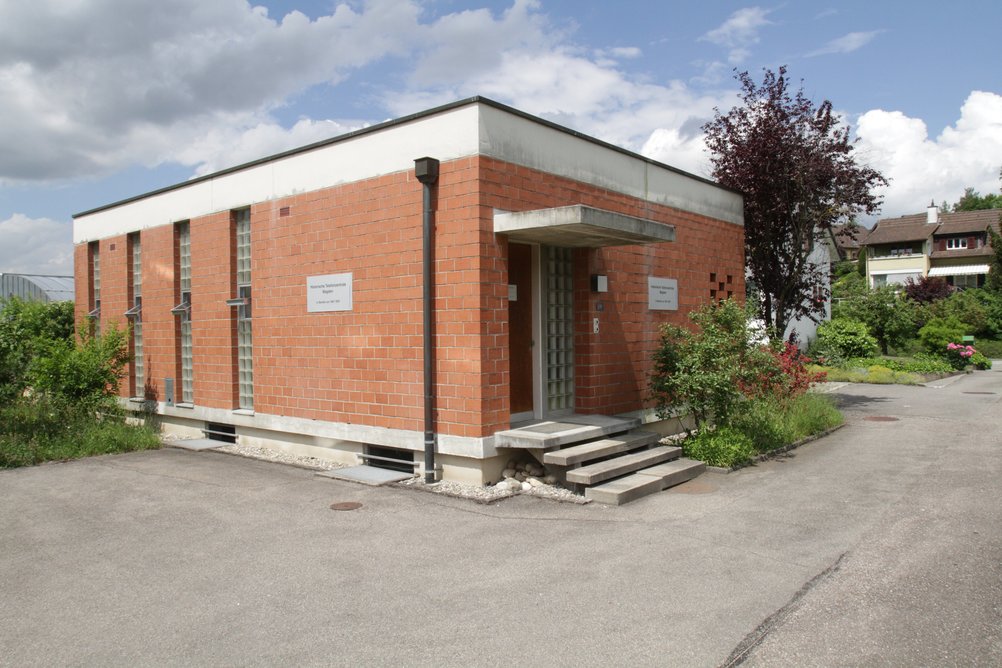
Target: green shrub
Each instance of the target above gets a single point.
(761, 420)
(723, 446)
(880, 375)
(889, 317)
(978, 310)
(980, 362)
(842, 338)
(48, 429)
(990, 348)
(88, 372)
(763, 425)
(809, 415)
(703, 372)
(58, 397)
(938, 332)
(926, 364)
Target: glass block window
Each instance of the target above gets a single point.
(245, 343)
(138, 366)
(559, 330)
(95, 277)
(187, 353)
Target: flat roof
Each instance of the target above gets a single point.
(397, 122)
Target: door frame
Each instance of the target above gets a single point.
(539, 311)
(535, 294)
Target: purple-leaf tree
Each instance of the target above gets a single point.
(793, 163)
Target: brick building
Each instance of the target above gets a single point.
(282, 300)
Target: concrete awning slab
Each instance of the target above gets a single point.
(580, 226)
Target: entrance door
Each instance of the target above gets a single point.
(520, 328)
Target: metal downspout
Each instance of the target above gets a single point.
(426, 171)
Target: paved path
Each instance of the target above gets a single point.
(878, 545)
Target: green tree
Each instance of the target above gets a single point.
(794, 164)
(971, 200)
(849, 286)
(25, 328)
(889, 317)
(994, 281)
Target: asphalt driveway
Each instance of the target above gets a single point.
(880, 544)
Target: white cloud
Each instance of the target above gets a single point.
(592, 96)
(196, 83)
(684, 151)
(93, 85)
(620, 52)
(458, 46)
(36, 246)
(847, 43)
(739, 32)
(920, 168)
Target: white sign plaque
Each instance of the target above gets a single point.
(662, 294)
(332, 292)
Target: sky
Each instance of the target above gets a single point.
(107, 99)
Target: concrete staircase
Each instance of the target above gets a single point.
(608, 459)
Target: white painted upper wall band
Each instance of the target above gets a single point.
(458, 132)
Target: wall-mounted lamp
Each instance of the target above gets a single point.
(599, 283)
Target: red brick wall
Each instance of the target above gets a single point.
(212, 322)
(612, 367)
(158, 258)
(114, 289)
(365, 366)
(81, 284)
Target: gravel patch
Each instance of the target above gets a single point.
(269, 455)
(478, 493)
(494, 493)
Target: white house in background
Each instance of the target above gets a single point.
(804, 330)
(954, 246)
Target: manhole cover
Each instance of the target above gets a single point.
(881, 418)
(972, 392)
(346, 505)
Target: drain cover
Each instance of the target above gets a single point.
(881, 418)
(972, 392)
(346, 505)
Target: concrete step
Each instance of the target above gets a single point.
(613, 468)
(648, 481)
(623, 490)
(585, 452)
(675, 472)
(551, 434)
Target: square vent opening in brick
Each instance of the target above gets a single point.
(226, 433)
(391, 459)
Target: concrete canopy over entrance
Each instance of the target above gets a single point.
(580, 226)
